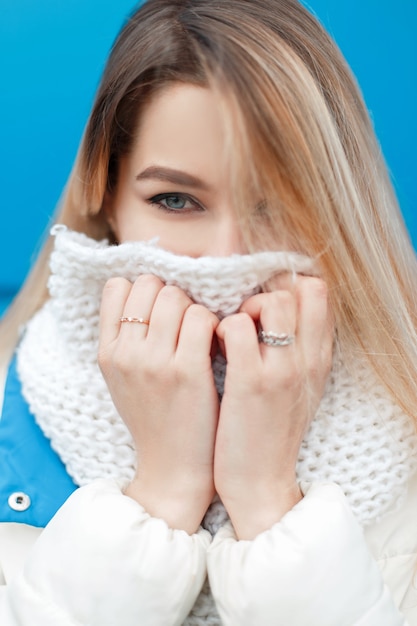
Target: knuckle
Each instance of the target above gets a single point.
(285, 382)
(171, 293)
(238, 321)
(270, 379)
(283, 297)
(290, 377)
(153, 366)
(278, 296)
(120, 361)
(145, 280)
(319, 366)
(198, 311)
(103, 359)
(200, 314)
(314, 369)
(283, 281)
(317, 287)
(182, 374)
(235, 326)
(126, 359)
(116, 284)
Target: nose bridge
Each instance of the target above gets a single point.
(227, 238)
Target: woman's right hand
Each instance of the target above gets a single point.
(161, 382)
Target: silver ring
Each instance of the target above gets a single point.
(135, 320)
(269, 338)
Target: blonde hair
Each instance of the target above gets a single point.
(299, 134)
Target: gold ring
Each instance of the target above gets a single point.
(134, 320)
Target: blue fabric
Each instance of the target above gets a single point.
(27, 462)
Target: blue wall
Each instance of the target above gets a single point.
(52, 53)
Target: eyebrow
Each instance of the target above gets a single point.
(169, 175)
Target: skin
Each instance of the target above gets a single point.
(160, 376)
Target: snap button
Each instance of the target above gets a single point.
(19, 501)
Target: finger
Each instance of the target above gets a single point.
(276, 314)
(115, 293)
(238, 334)
(139, 305)
(284, 280)
(167, 316)
(196, 335)
(254, 305)
(315, 327)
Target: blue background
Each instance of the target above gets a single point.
(51, 56)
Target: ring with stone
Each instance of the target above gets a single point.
(134, 320)
(273, 339)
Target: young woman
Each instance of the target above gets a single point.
(210, 416)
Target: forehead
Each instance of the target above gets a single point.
(182, 127)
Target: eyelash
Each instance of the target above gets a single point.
(157, 201)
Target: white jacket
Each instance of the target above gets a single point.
(103, 561)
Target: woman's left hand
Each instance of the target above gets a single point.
(271, 395)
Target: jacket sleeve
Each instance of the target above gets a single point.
(101, 561)
(313, 567)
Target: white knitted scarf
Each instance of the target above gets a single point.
(359, 439)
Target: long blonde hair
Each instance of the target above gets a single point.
(299, 134)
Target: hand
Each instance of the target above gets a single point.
(161, 382)
(271, 395)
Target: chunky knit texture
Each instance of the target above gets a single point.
(359, 439)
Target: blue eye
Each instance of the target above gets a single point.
(176, 202)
